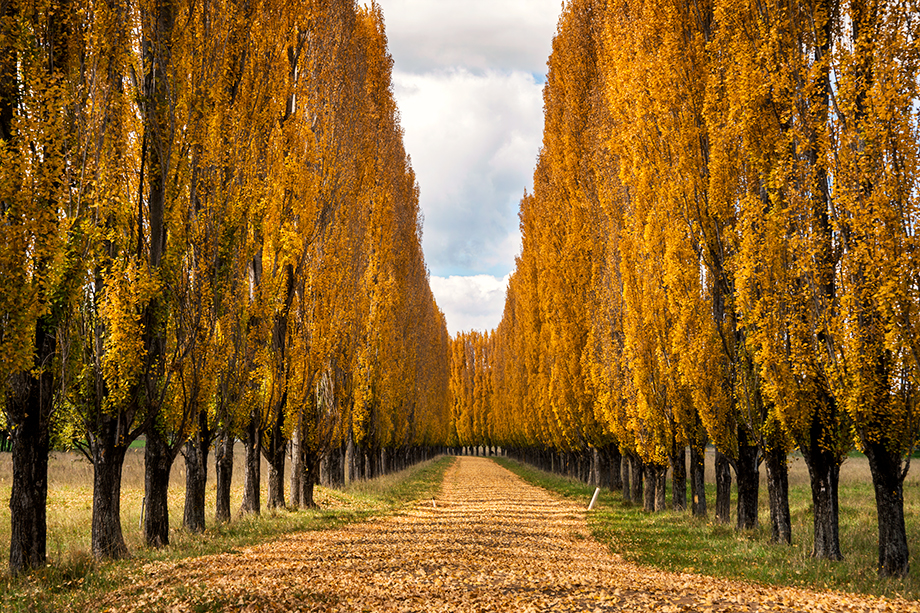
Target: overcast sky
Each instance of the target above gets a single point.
(468, 79)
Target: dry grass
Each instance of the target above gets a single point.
(73, 581)
(70, 499)
(853, 471)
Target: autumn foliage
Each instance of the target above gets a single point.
(210, 231)
(720, 247)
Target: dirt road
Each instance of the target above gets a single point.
(489, 542)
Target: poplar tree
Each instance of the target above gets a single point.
(42, 221)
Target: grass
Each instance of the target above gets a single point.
(675, 541)
(73, 579)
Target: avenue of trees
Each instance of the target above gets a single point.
(209, 232)
(720, 248)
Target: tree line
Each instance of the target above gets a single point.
(210, 232)
(720, 248)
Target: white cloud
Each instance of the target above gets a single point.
(470, 303)
(474, 140)
(468, 78)
(427, 35)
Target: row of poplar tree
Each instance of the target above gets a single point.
(720, 248)
(210, 231)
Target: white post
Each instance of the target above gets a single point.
(594, 498)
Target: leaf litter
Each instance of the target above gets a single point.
(488, 542)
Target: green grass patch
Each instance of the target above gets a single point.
(73, 580)
(675, 541)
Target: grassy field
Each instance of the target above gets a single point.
(676, 541)
(72, 577)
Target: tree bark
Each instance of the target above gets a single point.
(888, 481)
(638, 476)
(349, 472)
(616, 460)
(275, 454)
(778, 490)
(651, 486)
(107, 538)
(360, 463)
(824, 470)
(656, 480)
(252, 482)
(29, 406)
(627, 486)
(723, 489)
(698, 481)
(309, 479)
(661, 483)
(324, 469)
(748, 483)
(158, 459)
(679, 479)
(594, 475)
(224, 472)
(196, 481)
(296, 468)
(29, 495)
(276, 478)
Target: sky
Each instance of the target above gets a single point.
(468, 78)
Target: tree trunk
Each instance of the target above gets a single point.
(651, 487)
(638, 474)
(29, 414)
(661, 482)
(324, 469)
(276, 480)
(29, 495)
(370, 464)
(679, 479)
(698, 481)
(349, 474)
(275, 454)
(778, 490)
(748, 484)
(253, 476)
(360, 466)
(888, 481)
(824, 470)
(158, 459)
(196, 481)
(723, 489)
(627, 486)
(599, 474)
(296, 468)
(107, 539)
(309, 478)
(224, 470)
(616, 460)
